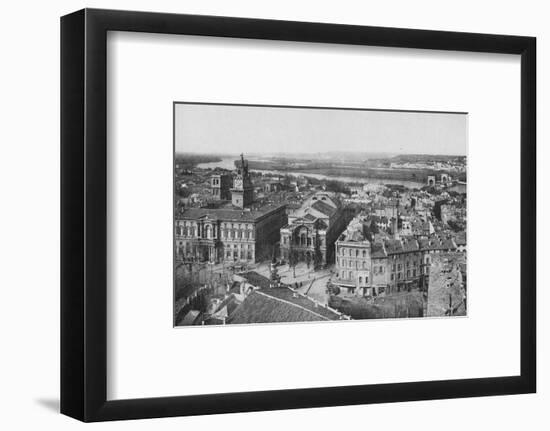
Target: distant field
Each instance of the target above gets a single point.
(350, 170)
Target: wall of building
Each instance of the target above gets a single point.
(396, 272)
(302, 239)
(353, 264)
(267, 231)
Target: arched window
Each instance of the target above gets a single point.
(360, 280)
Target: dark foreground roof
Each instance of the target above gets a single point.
(278, 305)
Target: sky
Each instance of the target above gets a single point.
(222, 129)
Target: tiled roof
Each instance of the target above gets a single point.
(356, 235)
(226, 213)
(279, 305)
(393, 246)
(288, 294)
(378, 250)
(324, 208)
(436, 243)
(410, 244)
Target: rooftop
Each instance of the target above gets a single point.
(324, 208)
(278, 305)
(405, 244)
(228, 212)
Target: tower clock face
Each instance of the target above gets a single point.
(238, 182)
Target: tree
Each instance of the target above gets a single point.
(184, 192)
(292, 261)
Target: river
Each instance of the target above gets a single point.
(228, 163)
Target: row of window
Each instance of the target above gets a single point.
(239, 246)
(233, 234)
(399, 275)
(377, 269)
(239, 251)
(302, 241)
(399, 266)
(225, 225)
(210, 233)
(353, 264)
(353, 252)
(380, 269)
(350, 275)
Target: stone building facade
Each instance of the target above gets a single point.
(312, 230)
(387, 265)
(234, 231)
(216, 235)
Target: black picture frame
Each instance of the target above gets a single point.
(84, 214)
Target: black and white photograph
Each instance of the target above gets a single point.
(287, 214)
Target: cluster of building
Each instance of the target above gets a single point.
(233, 227)
(312, 230)
(369, 264)
(384, 242)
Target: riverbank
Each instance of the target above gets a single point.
(348, 174)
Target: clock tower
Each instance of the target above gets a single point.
(242, 193)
